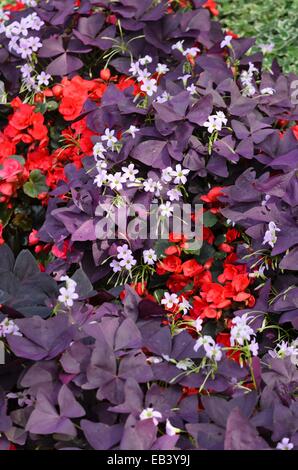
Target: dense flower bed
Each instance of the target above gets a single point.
(133, 342)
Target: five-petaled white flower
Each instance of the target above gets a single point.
(129, 172)
(166, 209)
(180, 174)
(169, 300)
(109, 137)
(115, 265)
(162, 69)
(116, 180)
(123, 251)
(67, 296)
(149, 86)
(150, 413)
(149, 256)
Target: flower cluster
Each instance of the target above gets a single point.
(20, 36)
(68, 294)
(8, 327)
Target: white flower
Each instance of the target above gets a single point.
(34, 43)
(270, 235)
(24, 48)
(167, 174)
(165, 96)
(123, 251)
(283, 349)
(101, 165)
(70, 283)
(221, 116)
(180, 175)
(145, 60)
(198, 325)
(202, 341)
(166, 209)
(67, 296)
(150, 413)
(171, 430)
(8, 327)
(254, 347)
(149, 185)
(249, 91)
(35, 21)
(149, 86)
(184, 305)
(246, 77)
(43, 78)
(268, 91)
(129, 172)
(134, 68)
(31, 3)
(184, 364)
(128, 262)
(174, 194)
(143, 75)
(192, 89)
(154, 360)
(285, 444)
(109, 137)
(265, 200)
(24, 398)
(241, 331)
(101, 178)
(162, 69)
(226, 42)
(267, 48)
(169, 300)
(115, 265)
(192, 51)
(26, 70)
(213, 351)
(184, 79)
(213, 124)
(179, 46)
(252, 69)
(99, 150)
(149, 256)
(116, 180)
(133, 130)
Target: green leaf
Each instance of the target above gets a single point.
(52, 105)
(209, 219)
(160, 247)
(5, 214)
(36, 184)
(206, 252)
(19, 158)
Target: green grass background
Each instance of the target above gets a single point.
(269, 21)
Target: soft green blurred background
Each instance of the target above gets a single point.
(272, 22)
